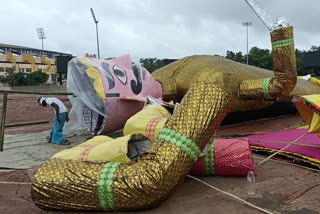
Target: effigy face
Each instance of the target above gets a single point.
(115, 89)
(124, 79)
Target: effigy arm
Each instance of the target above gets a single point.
(284, 61)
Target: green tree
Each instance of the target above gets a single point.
(37, 78)
(9, 77)
(151, 64)
(315, 48)
(20, 79)
(24, 79)
(238, 57)
(16, 79)
(261, 58)
(301, 71)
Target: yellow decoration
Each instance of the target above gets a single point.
(148, 122)
(306, 110)
(87, 62)
(99, 148)
(94, 74)
(315, 123)
(98, 84)
(312, 79)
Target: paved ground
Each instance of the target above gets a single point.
(293, 190)
(23, 151)
(22, 108)
(281, 187)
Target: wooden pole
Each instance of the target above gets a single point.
(3, 120)
(28, 123)
(33, 92)
(91, 121)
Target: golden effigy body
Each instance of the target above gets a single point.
(206, 85)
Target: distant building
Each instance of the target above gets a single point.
(14, 59)
(311, 62)
(90, 55)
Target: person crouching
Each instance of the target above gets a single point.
(61, 115)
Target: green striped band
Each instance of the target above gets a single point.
(282, 43)
(181, 141)
(266, 88)
(105, 185)
(209, 161)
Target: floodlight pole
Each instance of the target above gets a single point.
(247, 24)
(41, 35)
(96, 22)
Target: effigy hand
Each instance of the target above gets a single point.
(271, 23)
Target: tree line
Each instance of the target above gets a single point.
(258, 57)
(25, 79)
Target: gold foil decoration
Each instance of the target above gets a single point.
(67, 185)
(73, 185)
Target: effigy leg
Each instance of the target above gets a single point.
(76, 185)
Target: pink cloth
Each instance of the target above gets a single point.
(289, 136)
(231, 157)
(198, 168)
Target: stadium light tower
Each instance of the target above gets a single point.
(41, 35)
(247, 24)
(96, 21)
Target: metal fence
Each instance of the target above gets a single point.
(4, 110)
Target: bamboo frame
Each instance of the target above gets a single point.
(3, 119)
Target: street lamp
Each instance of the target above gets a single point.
(41, 35)
(96, 21)
(247, 24)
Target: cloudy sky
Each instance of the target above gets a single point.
(152, 28)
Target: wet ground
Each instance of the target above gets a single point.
(281, 187)
(23, 108)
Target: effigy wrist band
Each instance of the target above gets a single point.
(181, 141)
(105, 185)
(265, 88)
(282, 43)
(209, 161)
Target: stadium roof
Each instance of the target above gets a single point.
(19, 50)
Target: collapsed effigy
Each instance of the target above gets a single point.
(100, 90)
(207, 87)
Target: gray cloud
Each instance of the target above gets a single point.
(152, 28)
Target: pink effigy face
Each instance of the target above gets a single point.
(126, 87)
(124, 79)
